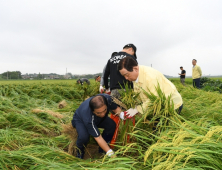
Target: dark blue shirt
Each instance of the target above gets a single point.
(85, 115)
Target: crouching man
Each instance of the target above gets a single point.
(91, 115)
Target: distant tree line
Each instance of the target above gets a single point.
(18, 75)
(11, 75)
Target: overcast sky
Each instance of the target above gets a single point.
(49, 36)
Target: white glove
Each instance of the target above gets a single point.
(101, 89)
(131, 112)
(108, 90)
(121, 115)
(109, 152)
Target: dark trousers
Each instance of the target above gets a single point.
(196, 83)
(179, 109)
(107, 124)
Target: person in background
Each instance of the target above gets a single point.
(182, 75)
(91, 115)
(196, 74)
(97, 78)
(117, 81)
(147, 78)
(82, 80)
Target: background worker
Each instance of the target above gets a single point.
(147, 78)
(91, 115)
(99, 79)
(116, 79)
(196, 74)
(82, 80)
(182, 75)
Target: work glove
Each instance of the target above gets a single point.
(108, 91)
(124, 116)
(109, 153)
(101, 89)
(131, 112)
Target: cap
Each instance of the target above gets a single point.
(133, 46)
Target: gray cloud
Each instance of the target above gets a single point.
(50, 36)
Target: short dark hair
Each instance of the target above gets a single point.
(128, 63)
(97, 102)
(181, 67)
(195, 60)
(131, 46)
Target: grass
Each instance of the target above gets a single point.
(31, 130)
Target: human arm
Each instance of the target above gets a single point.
(106, 75)
(117, 111)
(102, 143)
(199, 70)
(102, 77)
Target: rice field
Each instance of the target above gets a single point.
(33, 114)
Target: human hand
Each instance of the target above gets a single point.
(122, 116)
(110, 153)
(108, 91)
(101, 89)
(131, 112)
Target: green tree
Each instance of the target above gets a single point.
(12, 75)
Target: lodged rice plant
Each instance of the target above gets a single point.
(159, 109)
(128, 99)
(34, 140)
(190, 146)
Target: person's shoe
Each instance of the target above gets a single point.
(80, 153)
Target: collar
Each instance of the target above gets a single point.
(137, 80)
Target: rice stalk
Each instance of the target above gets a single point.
(72, 134)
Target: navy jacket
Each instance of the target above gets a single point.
(85, 115)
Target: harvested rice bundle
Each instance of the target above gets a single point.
(160, 109)
(54, 114)
(72, 134)
(62, 104)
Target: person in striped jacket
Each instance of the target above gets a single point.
(91, 115)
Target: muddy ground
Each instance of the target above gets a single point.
(92, 151)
